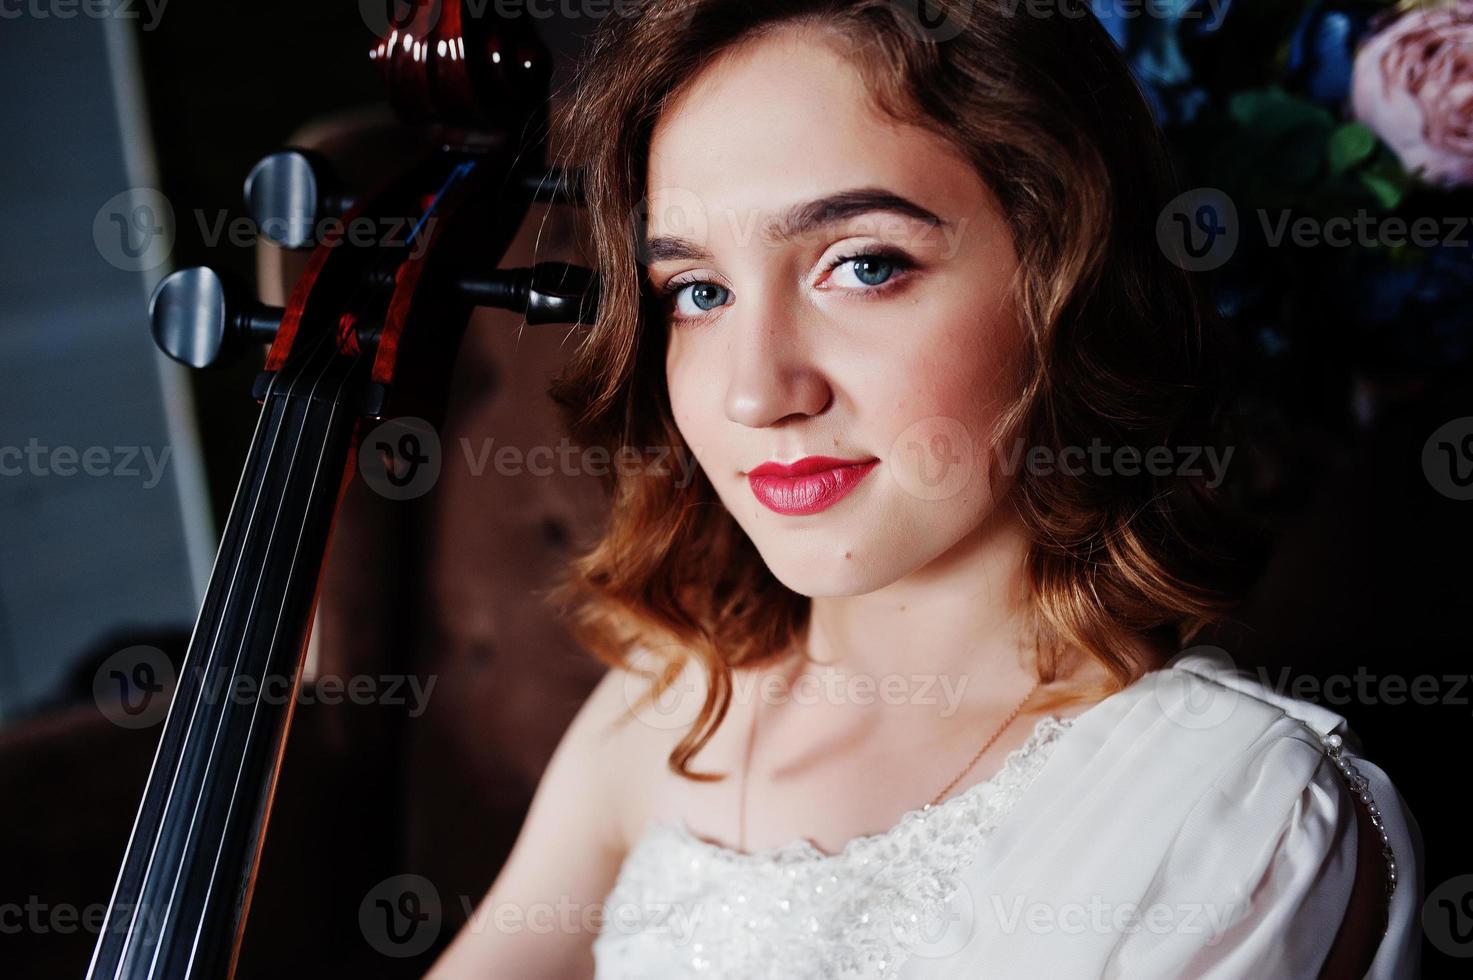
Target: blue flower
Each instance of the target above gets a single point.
(1418, 306)
(1149, 33)
(1322, 48)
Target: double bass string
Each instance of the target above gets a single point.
(457, 173)
(281, 615)
(122, 955)
(247, 633)
(279, 422)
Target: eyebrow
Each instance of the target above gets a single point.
(803, 218)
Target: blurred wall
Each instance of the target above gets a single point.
(103, 529)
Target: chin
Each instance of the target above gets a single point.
(823, 571)
(821, 584)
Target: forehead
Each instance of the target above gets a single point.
(788, 118)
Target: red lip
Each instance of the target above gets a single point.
(808, 485)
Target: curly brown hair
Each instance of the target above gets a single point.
(1118, 345)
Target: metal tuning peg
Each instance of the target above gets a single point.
(548, 292)
(200, 321)
(289, 192)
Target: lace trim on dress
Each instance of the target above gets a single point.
(804, 850)
(794, 910)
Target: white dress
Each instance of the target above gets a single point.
(1194, 824)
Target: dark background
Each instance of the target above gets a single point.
(1369, 572)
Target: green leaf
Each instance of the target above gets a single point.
(1271, 112)
(1350, 144)
(1388, 192)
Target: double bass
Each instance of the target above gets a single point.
(369, 328)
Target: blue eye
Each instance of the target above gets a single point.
(874, 272)
(871, 270)
(706, 296)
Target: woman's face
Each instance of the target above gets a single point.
(783, 345)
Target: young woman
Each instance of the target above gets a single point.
(898, 684)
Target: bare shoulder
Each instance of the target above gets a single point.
(625, 734)
(608, 740)
(569, 851)
(654, 726)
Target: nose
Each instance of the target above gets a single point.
(771, 375)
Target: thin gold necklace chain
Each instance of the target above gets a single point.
(752, 732)
(985, 746)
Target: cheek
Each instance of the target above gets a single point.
(690, 399)
(942, 400)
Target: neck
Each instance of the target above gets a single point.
(959, 618)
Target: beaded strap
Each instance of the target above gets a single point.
(1334, 745)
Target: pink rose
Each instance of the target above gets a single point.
(1413, 85)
